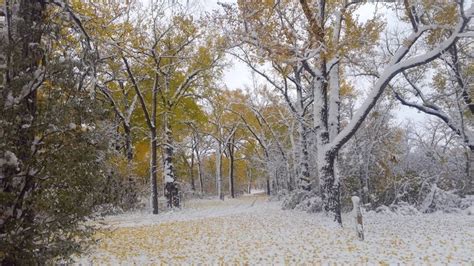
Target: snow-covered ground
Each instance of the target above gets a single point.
(252, 230)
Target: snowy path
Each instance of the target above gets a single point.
(253, 230)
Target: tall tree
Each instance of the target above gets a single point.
(174, 60)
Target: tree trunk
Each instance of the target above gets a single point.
(327, 174)
(191, 170)
(128, 142)
(276, 183)
(153, 171)
(249, 176)
(268, 186)
(469, 187)
(231, 177)
(231, 166)
(198, 161)
(330, 185)
(219, 170)
(171, 188)
(126, 123)
(296, 155)
(304, 178)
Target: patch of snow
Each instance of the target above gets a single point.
(252, 230)
(32, 172)
(86, 127)
(9, 159)
(257, 191)
(36, 142)
(10, 101)
(467, 202)
(469, 211)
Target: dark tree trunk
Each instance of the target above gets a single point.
(231, 166)
(249, 176)
(201, 182)
(304, 179)
(276, 183)
(153, 172)
(220, 193)
(191, 170)
(330, 186)
(268, 187)
(128, 142)
(469, 187)
(198, 161)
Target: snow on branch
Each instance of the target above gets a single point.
(35, 82)
(436, 111)
(396, 66)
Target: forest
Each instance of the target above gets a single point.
(158, 119)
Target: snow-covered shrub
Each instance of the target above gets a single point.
(404, 208)
(440, 200)
(280, 195)
(469, 211)
(467, 202)
(383, 210)
(437, 200)
(294, 198)
(303, 200)
(424, 194)
(107, 209)
(312, 204)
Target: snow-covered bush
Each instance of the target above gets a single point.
(440, 200)
(437, 200)
(294, 198)
(107, 209)
(383, 210)
(469, 211)
(279, 195)
(388, 165)
(402, 208)
(312, 204)
(467, 202)
(302, 200)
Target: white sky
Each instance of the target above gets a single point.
(237, 76)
